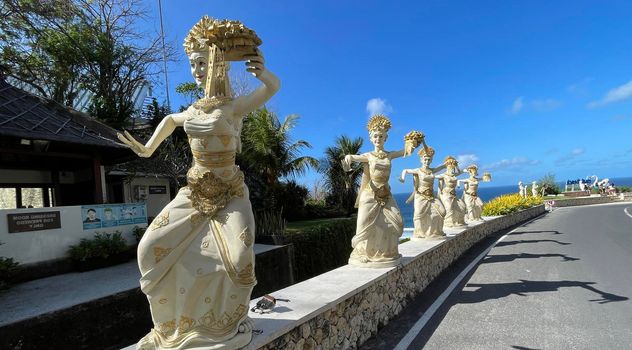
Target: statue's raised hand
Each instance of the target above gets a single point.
(255, 63)
(134, 145)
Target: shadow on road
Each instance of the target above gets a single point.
(522, 348)
(522, 288)
(506, 243)
(553, 232)
(511, 257)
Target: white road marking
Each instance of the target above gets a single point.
(405, 342)
(626, 212)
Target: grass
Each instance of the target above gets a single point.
(299, 226)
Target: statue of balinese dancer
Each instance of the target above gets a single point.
(196, 258)
(473, 203)
(380, 223)
(454, 206)
(429, 211)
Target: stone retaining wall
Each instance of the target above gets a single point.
(348, 322)
(584, 201)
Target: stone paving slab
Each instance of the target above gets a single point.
(38, 297)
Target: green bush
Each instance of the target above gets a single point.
(8, 267)
(623, 189)
(103, 245)
(269, 222)
(321, 210)
(548, 185)
(321, 248)
(291, 197)
(138, 233)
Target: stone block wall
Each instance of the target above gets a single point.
(584, 201)
(351, 322)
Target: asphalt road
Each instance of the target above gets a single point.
(562, 281)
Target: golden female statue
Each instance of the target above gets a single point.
(380, 223)
(196, 258)
(454, 206)
(473, 203)
(429, 212)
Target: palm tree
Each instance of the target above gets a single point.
(269, 151)
(342, 187)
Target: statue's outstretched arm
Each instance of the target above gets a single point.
(350, 158)
(438, 169)
(402, 178)
(163, 130)
(271, 84)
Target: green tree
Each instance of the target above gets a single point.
(548, 185)
(62, 47)
(268, 149)
(342, 187)
(191, 92)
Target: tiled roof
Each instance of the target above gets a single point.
(25, 115)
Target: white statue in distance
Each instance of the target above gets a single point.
(522, 189)
(534, 189)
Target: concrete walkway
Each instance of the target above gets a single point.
(38, 297)
(34, 298)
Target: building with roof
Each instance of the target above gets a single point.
(52, 155)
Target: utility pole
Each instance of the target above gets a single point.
(164, 54)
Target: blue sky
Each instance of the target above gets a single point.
(520, 88)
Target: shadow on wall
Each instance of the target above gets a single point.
(500, 290)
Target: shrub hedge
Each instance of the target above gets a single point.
(509, 203)
(103, 245)
(320, 248)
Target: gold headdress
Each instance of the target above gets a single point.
(472, 167)
(379, 122)
(232, 37)
(450, 161)
(426, 151)
(225, 41)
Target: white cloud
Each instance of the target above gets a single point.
(378, 106)
(580, 88)
(577, 151)
(570, 158)
(516, 163)
(541, 105)
(466, 159)
(620, 93)
(517, 105)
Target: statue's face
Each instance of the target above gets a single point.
(451, 169)
(426, 160)
(378, 138)
(199, 66)
(472, 171)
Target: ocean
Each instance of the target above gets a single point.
(486, 193)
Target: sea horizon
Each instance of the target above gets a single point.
(486, 193)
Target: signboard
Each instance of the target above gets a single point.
(157, 189)
(110, 215)
(26, 222)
